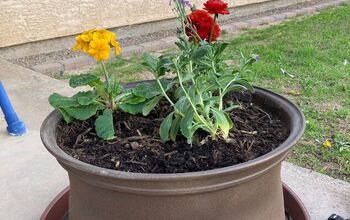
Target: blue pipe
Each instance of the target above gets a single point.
(15, 126)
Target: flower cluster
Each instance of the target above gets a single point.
(202, 25)
(97, 43)
(202, 22)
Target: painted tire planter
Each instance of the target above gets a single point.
(251, 190)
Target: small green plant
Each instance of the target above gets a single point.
(104, 94)
(202, 80)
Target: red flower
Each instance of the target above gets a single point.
(202, 23)
(216, 7)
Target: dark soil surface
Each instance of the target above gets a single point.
(138, 148)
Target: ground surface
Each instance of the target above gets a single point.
(306, 59)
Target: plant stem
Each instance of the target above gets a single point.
(220, 101)
(194, 84)
(210, 128)
(212, 28)
(111, 102)
(167, 97)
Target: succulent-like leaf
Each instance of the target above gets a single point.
(165, 127)
(223, 122)
(149, 105)
(182, 105)
(186, 124)
(104, 125)
(175, 126)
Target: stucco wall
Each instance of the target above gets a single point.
(23, 21)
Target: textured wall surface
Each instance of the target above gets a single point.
(23, 21)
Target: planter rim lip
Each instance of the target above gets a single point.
(294, 136)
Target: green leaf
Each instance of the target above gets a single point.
(147, 90)
(186, 124)
(226, 80)
(115, 88)
(231, 107)
(179, 93)
(58, 101)
(85, 98)
(67, 118)
(199, 53)
(132, 108)
(220, 49)
(246, 84)
(82, 112)
(182, 105)
(222, 121)
(163, 64)
(83, 80)
(149, 105)
(229, 120)
(165, 127)
(133, 99)
(150, 63)
(104, 125)
(175, 126)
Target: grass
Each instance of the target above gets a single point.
(306, 59)
(315, 50)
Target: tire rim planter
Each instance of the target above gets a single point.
(250, 190)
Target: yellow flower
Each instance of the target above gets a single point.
(81, 44)
(103, 35)
(327, 144)
(117, 48)
(87, 36)
(99, 49)
(97, 43)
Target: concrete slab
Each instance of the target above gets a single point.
(321, 194)
(30, 176)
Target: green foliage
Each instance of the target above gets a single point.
(84, 105)
(201, 83)
(165, 127)
(104, 125)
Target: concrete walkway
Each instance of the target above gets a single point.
(31, 177)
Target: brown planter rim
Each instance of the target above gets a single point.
(58, 207)
(297, 129)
